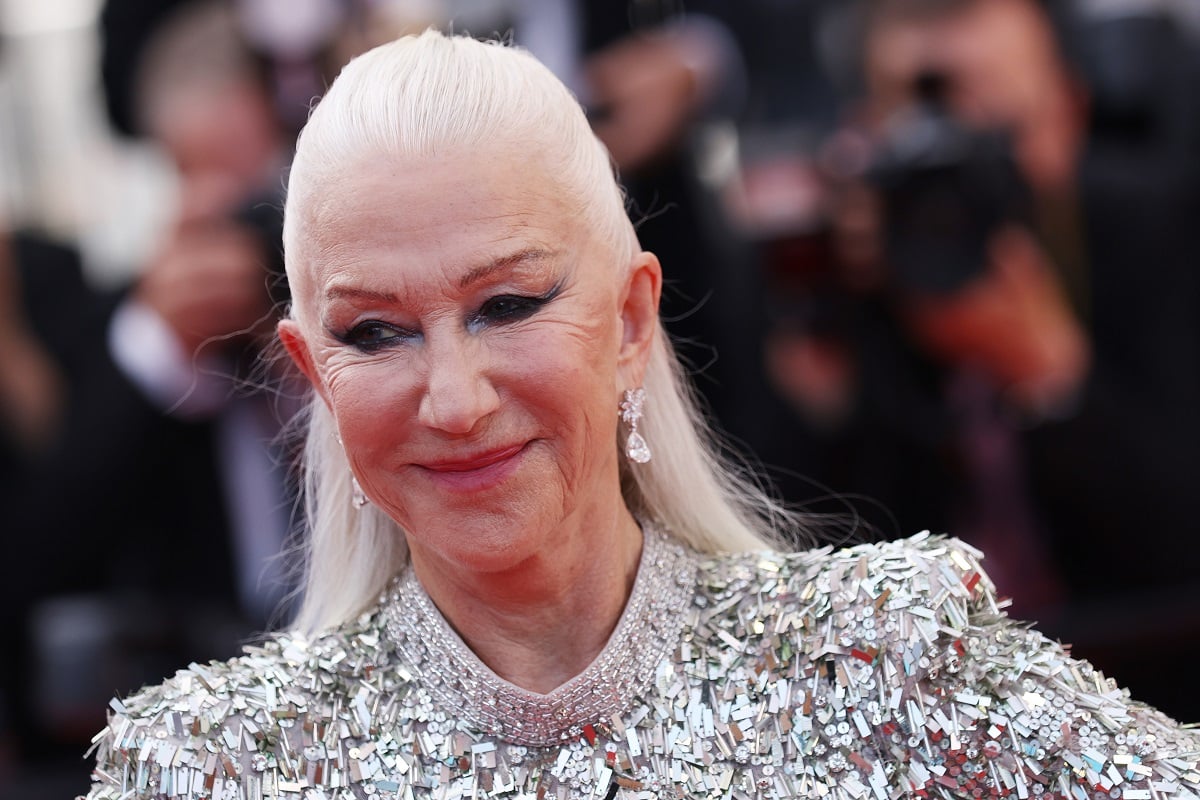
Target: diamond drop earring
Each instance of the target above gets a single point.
(631, 413)
(358, 495)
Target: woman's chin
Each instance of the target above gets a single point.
(477, 543)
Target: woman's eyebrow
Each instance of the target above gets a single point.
(352, 293)
(532, 255)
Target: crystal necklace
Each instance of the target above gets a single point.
(647, 632)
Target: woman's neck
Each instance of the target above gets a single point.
(544, 621)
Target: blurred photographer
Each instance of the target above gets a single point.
(977, 127)
(929, 311)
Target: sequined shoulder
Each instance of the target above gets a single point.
(901, 572)
(213, 728)
(888, 670)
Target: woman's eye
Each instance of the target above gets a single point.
(370, 336)
(507, 307)
(510, 308)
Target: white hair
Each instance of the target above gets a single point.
(423, 95)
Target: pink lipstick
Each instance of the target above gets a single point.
(476, 472)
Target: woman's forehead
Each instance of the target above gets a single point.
(466, 185)
(452, 212)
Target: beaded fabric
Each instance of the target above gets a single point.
(456, 678)
(877, 672)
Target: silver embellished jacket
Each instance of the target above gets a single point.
(877, 672)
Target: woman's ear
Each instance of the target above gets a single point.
(293, 341)
(639, 316)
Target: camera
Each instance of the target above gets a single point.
(946, 187)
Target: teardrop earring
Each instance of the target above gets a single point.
(631, 410)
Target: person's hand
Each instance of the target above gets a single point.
(209, 280)
(1013, 321)
(207, 284)
(643, 92)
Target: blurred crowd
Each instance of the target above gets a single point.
(935, 264)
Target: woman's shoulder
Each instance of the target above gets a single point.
(273, 671)
(231, 720)
(849, 602)
(904, 675)
(918, 568)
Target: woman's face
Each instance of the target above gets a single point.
(472, 340)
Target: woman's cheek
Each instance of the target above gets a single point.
(366, 392)
(343, 366)
(568, 346)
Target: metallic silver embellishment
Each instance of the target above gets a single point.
(647, 631)
(769, 688)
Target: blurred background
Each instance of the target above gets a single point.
(934, 264)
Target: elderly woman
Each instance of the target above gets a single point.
(529, 576)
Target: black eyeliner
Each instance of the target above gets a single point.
(530, 306)
(349, 338)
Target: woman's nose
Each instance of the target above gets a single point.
(458, 393)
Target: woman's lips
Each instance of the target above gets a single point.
(477, 472)
(475, 462)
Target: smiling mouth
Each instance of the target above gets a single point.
(475, 463)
